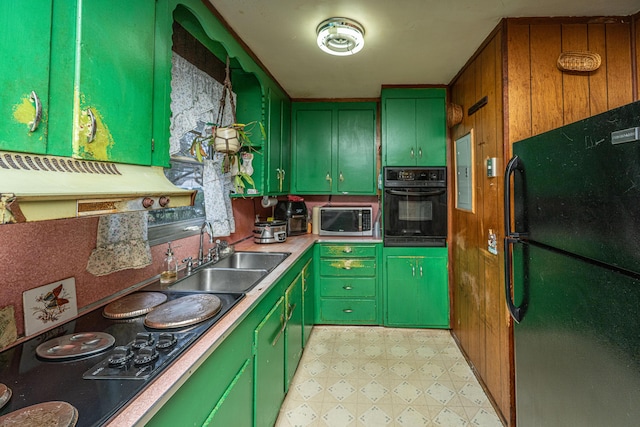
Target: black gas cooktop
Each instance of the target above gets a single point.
(99, 385)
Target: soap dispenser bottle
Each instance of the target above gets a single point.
(169, 267)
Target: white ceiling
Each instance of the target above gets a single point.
(406, 41)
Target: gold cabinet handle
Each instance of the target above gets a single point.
(341, 177)
(420, 152)
(38, 114)
(347, 288)
(284, 326)
(413, 154)
(347, 250)
(92, 126)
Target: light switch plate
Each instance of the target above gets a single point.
(492, 167)
(49, 305)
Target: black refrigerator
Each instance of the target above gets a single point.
(572, 266)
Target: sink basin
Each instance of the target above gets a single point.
(239, 272)
(216, 279)
(254, 260)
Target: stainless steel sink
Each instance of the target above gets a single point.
(254, 260)
(239, 272)
(216, 279)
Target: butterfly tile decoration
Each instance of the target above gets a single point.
(49, 305)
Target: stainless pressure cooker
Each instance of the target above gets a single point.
(270, 231)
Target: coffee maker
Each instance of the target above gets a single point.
(294, 212)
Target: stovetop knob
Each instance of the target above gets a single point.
(120, 356)
(166, 340)
(145, 356)
(143, 339)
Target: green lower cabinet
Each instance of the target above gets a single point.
(348, 311)
(293, 329)
(239, 392)
(216, 389)
(416, 287)
(347, 284)
(308, 304)
(269, 366)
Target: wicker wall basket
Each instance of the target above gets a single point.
(454, 114)
(581, 62)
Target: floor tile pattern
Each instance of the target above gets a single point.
(372, 376)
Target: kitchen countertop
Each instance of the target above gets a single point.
(150, 400)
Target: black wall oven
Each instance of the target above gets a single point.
(415, 206)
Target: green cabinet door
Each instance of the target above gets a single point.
(25, 43)
(293, 331)
(113, 83)
(334, 148)
(278, 143)
(217, 387)
(308, 303)
(431, 132)
(356, 152)
(400, 132)
(417, 293)
(269, 366)
(312, 131)
(414, 127)
(231, 408)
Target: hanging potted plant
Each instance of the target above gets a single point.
(233, 140)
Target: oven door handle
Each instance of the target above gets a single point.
(416, 193)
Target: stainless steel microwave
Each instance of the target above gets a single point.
(345, 221)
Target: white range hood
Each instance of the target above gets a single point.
(36, 188)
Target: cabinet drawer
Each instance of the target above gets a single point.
(348, 310)
(348, 267)
(346, 250)
(348, 287)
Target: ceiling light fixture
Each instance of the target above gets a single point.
(340, 36)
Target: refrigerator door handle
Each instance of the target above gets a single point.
(511, 237)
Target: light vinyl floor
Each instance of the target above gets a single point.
(375, 376)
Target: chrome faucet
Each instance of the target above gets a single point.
(206, 226)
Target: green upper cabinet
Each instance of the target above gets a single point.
(414, 127)
(25, 41)
(278, 169)
(334, 148)
(113, 85)
(91, 66)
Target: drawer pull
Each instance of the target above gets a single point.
(346, 267)
(347, 288)
(347, 250)
(348, 310)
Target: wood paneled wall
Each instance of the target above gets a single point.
(480, 322)
(527, 94)
(540, 97)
